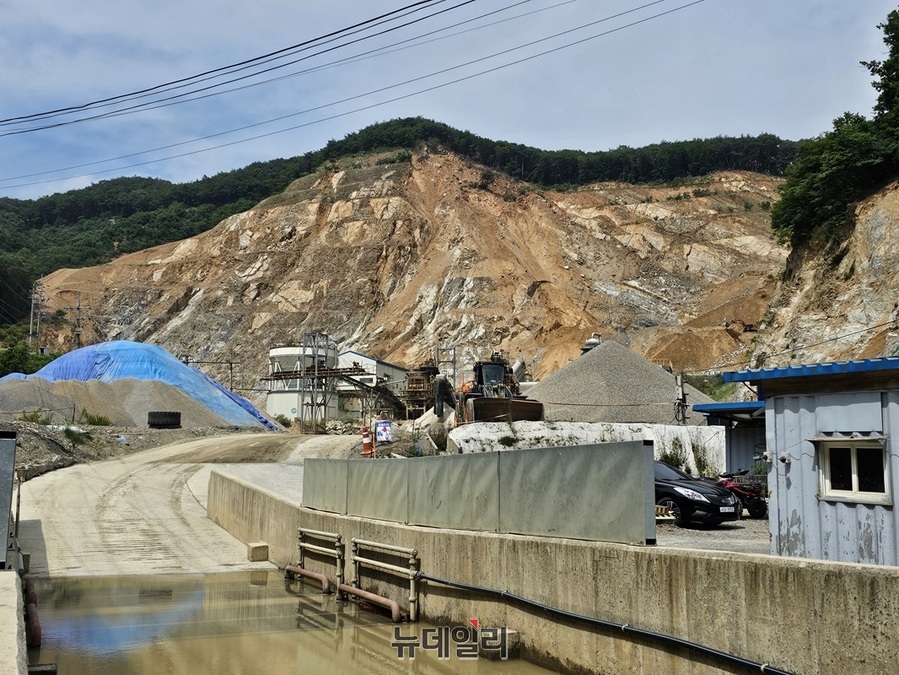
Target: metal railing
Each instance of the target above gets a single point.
(410, 572)
(336, 551)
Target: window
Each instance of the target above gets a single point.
(854, 472)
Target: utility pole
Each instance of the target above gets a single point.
(37, 309)
(680, 402)
(37, 296)
(78, 309)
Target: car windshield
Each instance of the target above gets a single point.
(665, 472)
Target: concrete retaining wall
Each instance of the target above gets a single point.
(13, 652)
(798, 615)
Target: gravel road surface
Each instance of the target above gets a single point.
(145, 513)
(744, 536)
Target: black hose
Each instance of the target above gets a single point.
(668, 639)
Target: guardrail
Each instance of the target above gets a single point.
(410, 572)
(336, 551)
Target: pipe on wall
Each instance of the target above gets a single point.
(325, 582)
(395, 614)
(661, 637)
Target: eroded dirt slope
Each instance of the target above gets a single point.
(398, 259)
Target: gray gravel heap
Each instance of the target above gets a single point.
(124, 402)
(610, 383)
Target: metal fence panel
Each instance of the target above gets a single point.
(587, 492)
(458, 491)
(599, 492)
(325, 484)
(378, 489)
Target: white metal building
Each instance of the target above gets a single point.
(312, 383)
(833, 458)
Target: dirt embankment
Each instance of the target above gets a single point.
(398, 259)
(41, 448)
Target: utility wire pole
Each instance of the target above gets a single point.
(37, 298)
(78, 309)
(680, 403)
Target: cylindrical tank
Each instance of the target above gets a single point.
(593, 341)
(292, 359)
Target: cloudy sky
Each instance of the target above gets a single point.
(582, 74)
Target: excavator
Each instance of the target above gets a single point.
(494, 395)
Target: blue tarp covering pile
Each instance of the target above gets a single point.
(110, 361)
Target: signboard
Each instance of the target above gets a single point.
(383, 431)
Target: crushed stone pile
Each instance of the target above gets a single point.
(125, 402)
(123, 381)
(610, 383)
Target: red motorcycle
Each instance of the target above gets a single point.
(749, 494)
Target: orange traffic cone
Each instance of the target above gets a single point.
(367, 447)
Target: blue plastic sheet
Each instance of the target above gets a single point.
(110, 361)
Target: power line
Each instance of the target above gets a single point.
(174, 100)
(220, 69)
(352, 59)
(808, 346)
(379, 90)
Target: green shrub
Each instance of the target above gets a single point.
(39, 416)
(676, 456)
(94, 420)
(76, 437)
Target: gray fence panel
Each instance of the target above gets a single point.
(325, 484)
(598, 492)
(458, 491)
(379, 489)
(585, 492)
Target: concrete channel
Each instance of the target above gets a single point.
(147, 515)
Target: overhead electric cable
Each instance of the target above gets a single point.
(379, 90)
(172, 100)
(808, 346)
(223, 68)
(351, 59)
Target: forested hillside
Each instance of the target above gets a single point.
(95, 224)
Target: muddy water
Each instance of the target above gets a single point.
(235, 623)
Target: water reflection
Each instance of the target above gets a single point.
(246, 622)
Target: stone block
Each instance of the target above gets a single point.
(257, 551)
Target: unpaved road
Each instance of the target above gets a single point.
(146, 513)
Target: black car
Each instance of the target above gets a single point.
(690, 499)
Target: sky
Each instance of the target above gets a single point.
(589, 75)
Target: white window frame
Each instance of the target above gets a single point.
(827, 493)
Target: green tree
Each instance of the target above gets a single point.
(834, 171)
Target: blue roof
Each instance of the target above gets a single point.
(729, 407)
(814, 370)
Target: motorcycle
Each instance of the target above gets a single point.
(749, 494)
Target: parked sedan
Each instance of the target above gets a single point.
(690, 499)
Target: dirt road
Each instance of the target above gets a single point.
(145, 513)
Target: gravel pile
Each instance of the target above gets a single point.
(610, 383)
(125, 402)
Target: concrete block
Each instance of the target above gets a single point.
(257, 551)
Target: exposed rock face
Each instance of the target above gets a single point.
(398, 259)
(840, 304)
